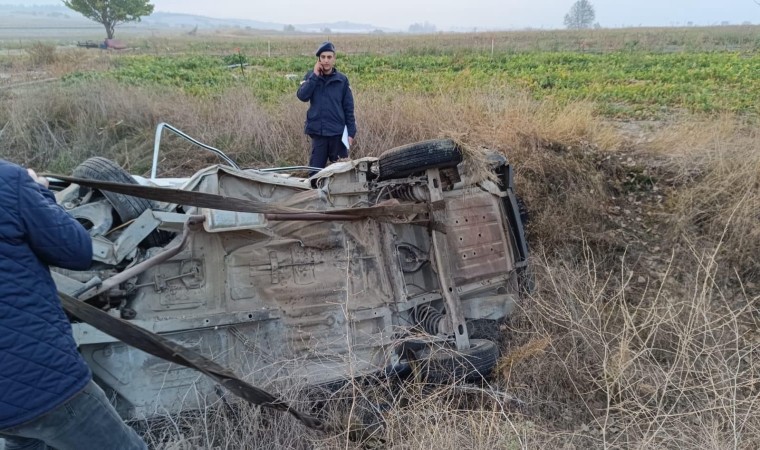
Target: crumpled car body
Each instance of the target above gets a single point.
(286, 300)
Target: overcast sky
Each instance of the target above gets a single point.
(483, 14)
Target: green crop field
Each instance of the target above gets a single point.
(622, 84)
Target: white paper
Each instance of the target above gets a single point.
(345, 137)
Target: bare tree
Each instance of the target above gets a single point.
(580, 16)
(110, 13)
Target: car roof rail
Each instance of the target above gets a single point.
(157, 143)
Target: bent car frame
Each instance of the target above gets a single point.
(300, 298)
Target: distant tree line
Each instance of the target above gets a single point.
(426, 27)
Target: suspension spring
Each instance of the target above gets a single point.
(428, 318)
(411, 193)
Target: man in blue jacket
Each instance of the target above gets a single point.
(331, 109)
(47, 396)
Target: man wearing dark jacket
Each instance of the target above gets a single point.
(331, 109)
(47, 396)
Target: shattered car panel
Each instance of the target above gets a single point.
(285, 300)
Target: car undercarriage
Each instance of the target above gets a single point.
(366, 267)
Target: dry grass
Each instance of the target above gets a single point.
(532, 348)
(60, 127)
(41, 54)
(715, 166)
(388, 414)
(74, 122)
(666, 368)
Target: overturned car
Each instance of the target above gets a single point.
(370, 266)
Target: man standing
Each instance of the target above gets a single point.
(47, 396)
(331, 109)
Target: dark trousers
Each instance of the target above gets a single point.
(324, 148)
(86, 421)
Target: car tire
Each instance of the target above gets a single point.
(445, 365)
(526, 277)
(126, 206)
(523, 209)
(403, 161)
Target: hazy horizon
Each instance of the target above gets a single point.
(472, 14)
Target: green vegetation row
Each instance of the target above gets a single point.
(621, 84)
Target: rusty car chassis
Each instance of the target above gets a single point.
(305, 298)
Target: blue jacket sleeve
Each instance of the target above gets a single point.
(348, 110)
(55, 237)
(307, 87)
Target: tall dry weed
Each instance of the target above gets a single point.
(107, 118)
(385, 414)
(61, 126)
(672, 367)
(41, 54)
(714, 168)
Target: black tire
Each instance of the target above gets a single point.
(447, 364)
(526, 278)
(126, 206)
(403, 161)
(524, 215)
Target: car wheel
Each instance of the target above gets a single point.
(403, 161)
(444, 365)
(126, 206)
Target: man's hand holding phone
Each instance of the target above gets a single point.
(318, 69)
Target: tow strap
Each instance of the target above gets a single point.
(221, 202)
(163, 348)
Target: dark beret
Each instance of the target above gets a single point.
(326, 46)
